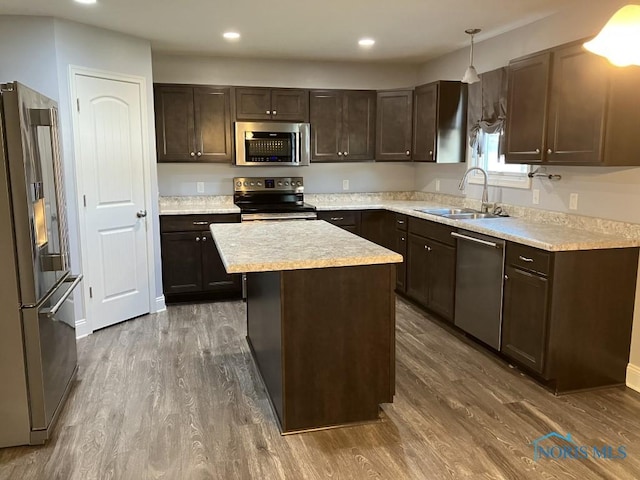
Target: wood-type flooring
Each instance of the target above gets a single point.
(176, 396)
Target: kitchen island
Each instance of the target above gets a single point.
(320, 318)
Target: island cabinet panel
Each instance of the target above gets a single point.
(191, 265)
(394, 125)
(567, 106)
(256, 103)
(193, 123)
(377, 226)
(431, 266)
(342, 125)
(324, 363)
(567, 315)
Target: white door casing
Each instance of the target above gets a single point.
(110, 153)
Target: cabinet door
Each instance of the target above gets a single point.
(359, 120)
(377, 226)
(394, 125)
(253, 104)
(213, 124)
(401, 268)
(442, 279)
(181, 262)
(424, 123)
(325, 113)
(175, 137)
(418, 269)
(527, 109)
(290, 104)
(577, 108)
(524, 318)
(214, 275)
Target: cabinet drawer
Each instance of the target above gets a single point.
(433, 230)
(340, 217)
(192, 223)
(528, 258)
(401, 222)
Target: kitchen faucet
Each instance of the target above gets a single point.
(485, 190)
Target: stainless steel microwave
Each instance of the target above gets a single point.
(272, 143)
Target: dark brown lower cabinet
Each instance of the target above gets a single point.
(377, 227)
(191, 266)
(567, 316)
(400, 246)
(346, 219)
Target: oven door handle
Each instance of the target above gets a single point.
(50, 312)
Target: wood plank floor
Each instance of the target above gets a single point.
(176, 396)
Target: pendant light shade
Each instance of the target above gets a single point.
(471, 75)
(619, 39)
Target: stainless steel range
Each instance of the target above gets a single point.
(271, 198)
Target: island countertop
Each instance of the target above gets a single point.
(293, 245)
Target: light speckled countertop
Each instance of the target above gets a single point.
(546, 236)
(266, 247)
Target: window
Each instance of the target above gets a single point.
(501, 174)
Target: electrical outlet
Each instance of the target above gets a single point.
(573, 201)
(536, 196)
(200, 187)
(345, 184)
(437, 184)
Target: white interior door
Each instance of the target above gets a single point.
(109, 126)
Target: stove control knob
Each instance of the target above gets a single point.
(252, 184)
(245, 184)
(259, 184)
(238, 184)
(279, 184)
(286, 184)
(299, 183)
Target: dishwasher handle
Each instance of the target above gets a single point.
(476, 240)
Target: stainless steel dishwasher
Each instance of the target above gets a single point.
(479, 281)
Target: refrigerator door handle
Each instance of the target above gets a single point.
(50, 312)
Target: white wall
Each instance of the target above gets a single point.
(604, 192)
(178, 179)
(103, 50)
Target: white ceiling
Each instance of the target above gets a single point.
(405, 30)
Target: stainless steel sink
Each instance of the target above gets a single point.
(458, 213)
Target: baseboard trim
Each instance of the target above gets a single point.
(161, 306)
(83, 328)
(633, 377)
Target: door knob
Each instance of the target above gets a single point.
(141, 214)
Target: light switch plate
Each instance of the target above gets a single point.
(573, 201)
(200, 187)
(345, 184)
(536, 196)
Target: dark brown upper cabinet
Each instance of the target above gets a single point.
(289, 104)
(342, 125)
(439, 120)
(193, 124)
(394, 125)
(567, 106)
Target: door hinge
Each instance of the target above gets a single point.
(90, 292)
(84, 200)
(78, 104)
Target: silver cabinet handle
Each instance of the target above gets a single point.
(525, 259)
(537, 150)
(204, 239)
(407, 153)
(193, 154)
(141, 214)
(427, 248)
(339, 154)
(402, 239)
(401, 222)
(549, 150)
(201, 223)
(431, 153)
(274, 112)
(53, 310)
(476, 240)
(197, 239)
(336, 219)
(268, 112)
(506, 277)
(346, 153)
(199, 154)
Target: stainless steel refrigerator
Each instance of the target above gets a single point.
(37, 327)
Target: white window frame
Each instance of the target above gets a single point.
(496, 178)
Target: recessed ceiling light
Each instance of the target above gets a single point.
(231, 35)
(86, 2)
(366, 42)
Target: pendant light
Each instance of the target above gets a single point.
(470, 75)
(619, 39)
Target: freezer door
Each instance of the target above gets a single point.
(36, 185)
(50, 347)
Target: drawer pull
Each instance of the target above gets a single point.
(525, 259)
(197, 239)
(336, 219)
(401, 222)
(201, 223)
